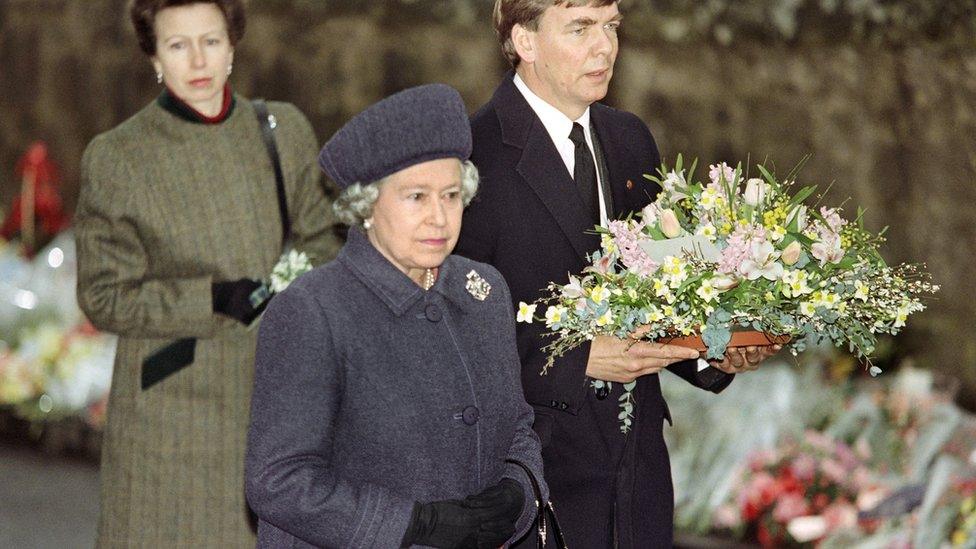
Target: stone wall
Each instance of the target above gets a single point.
(890, 123)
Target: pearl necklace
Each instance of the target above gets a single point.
(428, 279)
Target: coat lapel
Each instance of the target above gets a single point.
(542, 168)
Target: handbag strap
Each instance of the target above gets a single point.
(268, 124)
(545, 513)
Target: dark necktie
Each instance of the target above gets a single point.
(584, 173)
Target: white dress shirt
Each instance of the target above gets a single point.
(558, 125)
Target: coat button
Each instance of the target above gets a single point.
(563, 405)
(553, 404)
(470, 415)
(602, 393)
(433, 313)
(630, 184)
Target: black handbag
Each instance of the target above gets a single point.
(545, 516)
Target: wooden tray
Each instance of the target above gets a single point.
(749, 338)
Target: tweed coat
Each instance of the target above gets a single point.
(371, 393)
(528, 221)
(166, 208)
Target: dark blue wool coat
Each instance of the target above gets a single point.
(371, 393)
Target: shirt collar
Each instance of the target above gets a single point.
(557, 124)
(391, 285)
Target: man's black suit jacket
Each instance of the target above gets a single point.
(528, 221)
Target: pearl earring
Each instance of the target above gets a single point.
(367, 224)
(159, 77)
(230, 69)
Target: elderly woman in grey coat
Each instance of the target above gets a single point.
(387, 401)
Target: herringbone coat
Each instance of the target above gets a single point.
(166, 208)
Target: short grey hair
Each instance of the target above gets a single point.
(355, 202)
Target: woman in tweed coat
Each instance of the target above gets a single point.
(177, 220)
(387, 396)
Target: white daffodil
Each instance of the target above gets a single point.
(654, 315)
(599, 293)
(777, 233)
(707, 200)
(807, 308)
(706, 291)
(605, 319)
(525, 312)
(660, 287)
(668, 311)
(795, 283)
(902, 315)
(554, 314)
(708, 231)
(861, 290)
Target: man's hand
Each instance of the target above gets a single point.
(624, 360)
(744, 359)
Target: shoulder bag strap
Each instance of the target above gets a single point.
(545, 513)
(268, 124)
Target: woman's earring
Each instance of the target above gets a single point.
(159, 77)
(367, 224)
(230, 69)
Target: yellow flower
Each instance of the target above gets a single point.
(654, 315)
(525, 312)
(554, 314)
(861, 291)
(807, 308)
(708, 231)
(708, 199)
(668, 310)
(605, 319)
(901, 316)
(608, 244)
(706, 291)
(599, 293)
(777, 233)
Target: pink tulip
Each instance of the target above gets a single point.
(669, 224)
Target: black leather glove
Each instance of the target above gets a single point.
(481, 521)
(233, 299)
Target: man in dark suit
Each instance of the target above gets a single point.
(553, 164)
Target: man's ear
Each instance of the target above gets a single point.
(524, 41)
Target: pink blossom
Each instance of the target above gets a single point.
(834, 471)
(840, 514)
(833, 219)
(790, 506)
(804, 467)
(631, 254)
(718, 172)
(739, 248)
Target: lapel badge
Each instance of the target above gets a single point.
(477, 286)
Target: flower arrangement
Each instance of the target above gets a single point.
(733, 253)
(802, 492)
(55, 373)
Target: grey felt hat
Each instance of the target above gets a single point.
(413, 126)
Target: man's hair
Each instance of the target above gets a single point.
(527, 13)
(143, 14)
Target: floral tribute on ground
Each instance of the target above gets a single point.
(733, 253)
